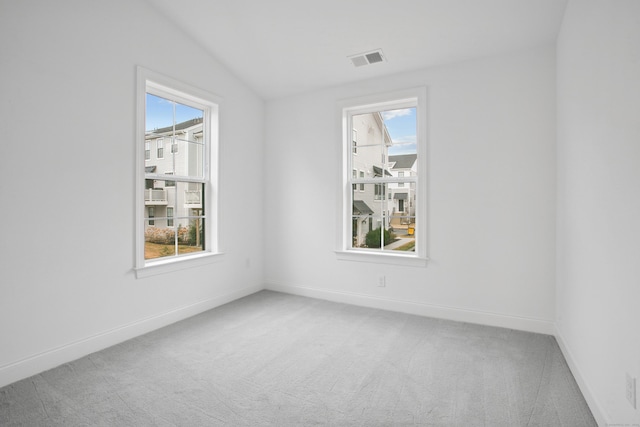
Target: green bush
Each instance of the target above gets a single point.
(372, 238)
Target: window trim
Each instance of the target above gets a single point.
(149, 81)
(412, 97)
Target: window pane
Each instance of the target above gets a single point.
(187, 157)
(370, 213)
(185, 113)
(180, 128)
(403, 227)
(190, 199)
(385, 139)
(159, 113)
(159, 241)
(190, 235)
(157, 195)
(372, 145)
(402, 129)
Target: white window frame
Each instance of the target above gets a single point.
(160, 85)
(414, 97)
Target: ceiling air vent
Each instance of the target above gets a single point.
(367, 58)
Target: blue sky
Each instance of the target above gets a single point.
(160, 113)
(401, 125)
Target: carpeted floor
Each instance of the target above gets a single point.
(282, 360)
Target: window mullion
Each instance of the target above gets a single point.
(177, 178)
(389, 180)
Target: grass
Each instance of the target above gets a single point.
(407, 246)
(157, 250)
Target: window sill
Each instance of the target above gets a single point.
(174, 264)
(384, 258)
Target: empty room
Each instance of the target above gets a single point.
(346, 213)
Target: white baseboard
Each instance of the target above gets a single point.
(66, 353)
(421, 309)
(596, 410)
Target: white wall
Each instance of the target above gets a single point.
(598, 287)
(67, 114)
(491, 195)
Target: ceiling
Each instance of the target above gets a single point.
(284, 47)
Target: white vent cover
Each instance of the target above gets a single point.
(367, 58)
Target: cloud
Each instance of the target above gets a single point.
(405, 139)
(392, 114)
(404, 145)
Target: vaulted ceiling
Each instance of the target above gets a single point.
(283, 47)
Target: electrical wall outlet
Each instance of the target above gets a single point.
(631, 390)
(382, 281)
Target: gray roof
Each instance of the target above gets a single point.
(179, 126)
(361, 208)
(400, 196)
(403, 161)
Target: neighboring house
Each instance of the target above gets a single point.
(173, 151)
(371, 142)
(402, 196)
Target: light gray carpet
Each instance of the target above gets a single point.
(283, 360)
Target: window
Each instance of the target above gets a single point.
(380, 190)
(169, 216)
(160, 148)
(187, 119)
(152, 214)
(354, 147)
(169, 183)
(378, 223)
